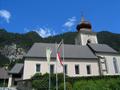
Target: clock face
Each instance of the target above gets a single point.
(89, 41)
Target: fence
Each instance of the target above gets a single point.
(6, 88)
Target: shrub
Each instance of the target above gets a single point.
(102, 84)
(37, 76)
(68, 86)
(41, 82)
(77, 85)
(113, 84)
(84, 85)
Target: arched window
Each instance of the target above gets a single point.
(115, 65)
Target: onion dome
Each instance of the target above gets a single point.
(84, 25)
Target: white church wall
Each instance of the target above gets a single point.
(86, 37)
(82, 65)
(110, 65)
(30, 67)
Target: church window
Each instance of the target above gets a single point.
(115, 65)
(37, 67)
(88, 67)
(77, 69)
(65, 68)
(52, 68)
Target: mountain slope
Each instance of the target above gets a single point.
(23, 40)
(110, 39)
(26, 40)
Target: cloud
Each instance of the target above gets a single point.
(6, 15)
(70, 22)
(43, 32)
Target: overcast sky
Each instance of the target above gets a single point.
(51, 17)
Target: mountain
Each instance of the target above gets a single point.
(15, 45)
(110, 39)
(26, 40)
(23, 40)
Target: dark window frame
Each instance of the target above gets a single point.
(66, 69)
(52, 68)
(77, 69)
(88, 68)
(38, 67)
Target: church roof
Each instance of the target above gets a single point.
(102, 48)
(70, 51)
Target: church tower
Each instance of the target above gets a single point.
(85, 34)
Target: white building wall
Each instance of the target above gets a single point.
(10, 81)
(86, 37)
(30, 67)
(109, 62)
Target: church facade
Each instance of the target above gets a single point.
(86, 58)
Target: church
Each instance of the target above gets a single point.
(85, 58)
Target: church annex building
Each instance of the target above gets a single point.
(86, 58)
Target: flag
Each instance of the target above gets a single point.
(59, 49)
(48, 54)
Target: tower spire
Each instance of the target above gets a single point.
(82, 17)
(84, 25)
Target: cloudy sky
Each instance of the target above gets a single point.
(51, 17)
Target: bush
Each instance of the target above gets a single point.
(84, 85)
(41, 82)
(37, 85)
(68, 86)
(108, 84)
(37, 76)
(114, 84)
(100, 84)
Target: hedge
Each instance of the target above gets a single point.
(40, 82)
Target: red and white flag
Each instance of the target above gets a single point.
(59, 51)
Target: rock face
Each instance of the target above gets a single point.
(13, 52)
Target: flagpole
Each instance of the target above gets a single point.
(48, 54)
(64, 66)
(56, 68)
(49, 77)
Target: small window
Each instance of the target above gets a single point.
(88, 67)
(115, 65)
(76, 69)
(65, 68)
(52, 69)
(37, 67)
